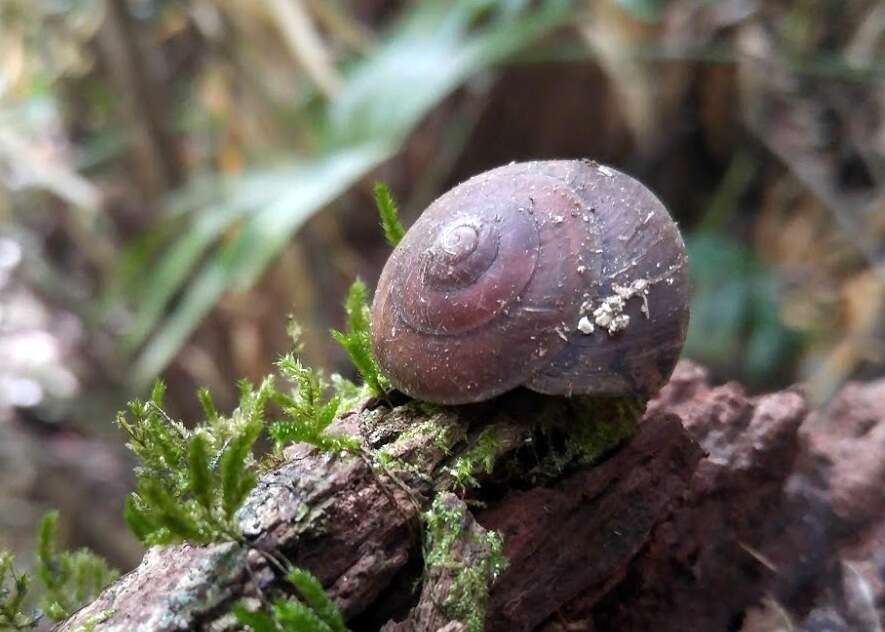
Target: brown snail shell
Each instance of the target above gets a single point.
(566, 277)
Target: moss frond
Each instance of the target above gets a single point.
(14, 592)
(469, 593)
(479, 458)
(69, 578)
(190, 483)
(255, 621)
(313, 594)
(357, 339)
(308, 412)
(316, 613)
(389, 214)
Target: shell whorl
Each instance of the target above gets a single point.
(486, 290)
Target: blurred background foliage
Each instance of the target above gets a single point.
(177, 177)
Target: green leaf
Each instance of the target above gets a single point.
(242, 259)
(389, 214)
(312, 592)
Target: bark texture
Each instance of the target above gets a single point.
(699, 521)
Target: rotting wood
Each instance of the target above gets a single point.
(570, 540)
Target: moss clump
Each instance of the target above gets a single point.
(13, 594)
(313, 612)
(357, 339)
(469, 596)
(471, 579)
(443, 435)
(596, 426)
(191, 482)
(479, 458)
(69, 578)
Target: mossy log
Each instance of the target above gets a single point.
(582, 500)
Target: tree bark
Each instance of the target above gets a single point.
(672, 529)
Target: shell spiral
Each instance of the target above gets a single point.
(566, 277)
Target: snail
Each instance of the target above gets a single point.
(565, 277)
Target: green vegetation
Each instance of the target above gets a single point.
(469, 593)
(13, 596)
(308, 410)
(357, 340)
(389, 214)
(69, 578)
(191, 482)
(314, 612)
(480, 457)
(600, 425)
(736, 320)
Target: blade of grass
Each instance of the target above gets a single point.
(242, 259)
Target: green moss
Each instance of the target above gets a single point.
(349, 395)
(389, 214)
(91, 622)
(479, 458)
(597, 426)
(69, 578)
(14, 592)
(313, 612)
(357, 339)
(468, 595)
(443, 435)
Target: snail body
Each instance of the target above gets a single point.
(566, 277)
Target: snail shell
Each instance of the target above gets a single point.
(566, 277)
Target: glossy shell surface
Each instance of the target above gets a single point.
(567, 277)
